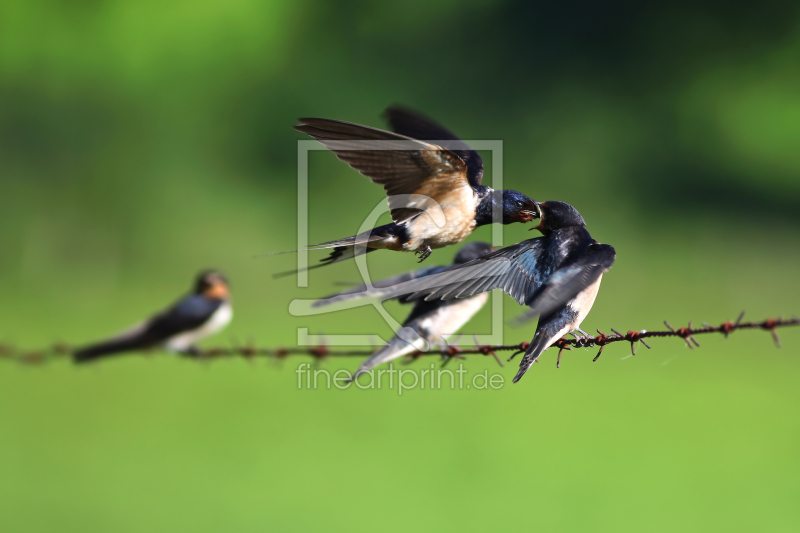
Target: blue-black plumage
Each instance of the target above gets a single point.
(206, 310)
(557, 275)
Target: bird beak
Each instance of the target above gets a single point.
(530, 214)
(538, 215)
(218, 290)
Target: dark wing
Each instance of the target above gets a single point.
(188, 314)
(567, 282)
(517, 270)
(404, 166)
(379, 288)
(412, 124)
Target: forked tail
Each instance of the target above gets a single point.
(344, 249)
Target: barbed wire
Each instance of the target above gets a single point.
(447, 352)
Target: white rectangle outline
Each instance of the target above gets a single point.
(304, 146)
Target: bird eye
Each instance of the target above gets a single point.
(520, 205)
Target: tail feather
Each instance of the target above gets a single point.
(396, 347)
(339, 254)
(362, 238)
(102, 349)
(543, 339)
(343, 249)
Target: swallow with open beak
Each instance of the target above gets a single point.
(202, 313)
(557, 275)
(435, 193)
(431, 321)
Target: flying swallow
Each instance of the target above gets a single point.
(556, 275)
(200, 314)
(431, 321)
(435, 193)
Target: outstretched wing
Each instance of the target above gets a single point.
(379, 288)
(512, 269)
(417, 126)
(404, 166)
(569, 281)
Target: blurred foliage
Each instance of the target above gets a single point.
(143, 141)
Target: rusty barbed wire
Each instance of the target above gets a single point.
(448, 352)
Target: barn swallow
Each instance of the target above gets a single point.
(200, 314)
(435, 193)
(556, 275)
(431, 321)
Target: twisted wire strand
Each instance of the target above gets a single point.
(12, 353)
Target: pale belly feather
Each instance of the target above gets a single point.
(218, 320)
(458, 207)
(448, 320)
(584, 301)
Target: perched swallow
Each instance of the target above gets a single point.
(435, 194)
(556, 275)
(194, 317)
(431, 321)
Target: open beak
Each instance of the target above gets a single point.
(530, 214)
(538, 214)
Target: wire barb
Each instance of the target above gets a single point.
(770, 324)
(486, 349)
(321, 351)
(562, 344)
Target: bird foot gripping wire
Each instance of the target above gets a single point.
(582, 341)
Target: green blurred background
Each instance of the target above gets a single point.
(143, 141)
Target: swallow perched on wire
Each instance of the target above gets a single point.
(435, 193)
(202, 313)
(430, 320)
(557, 275)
